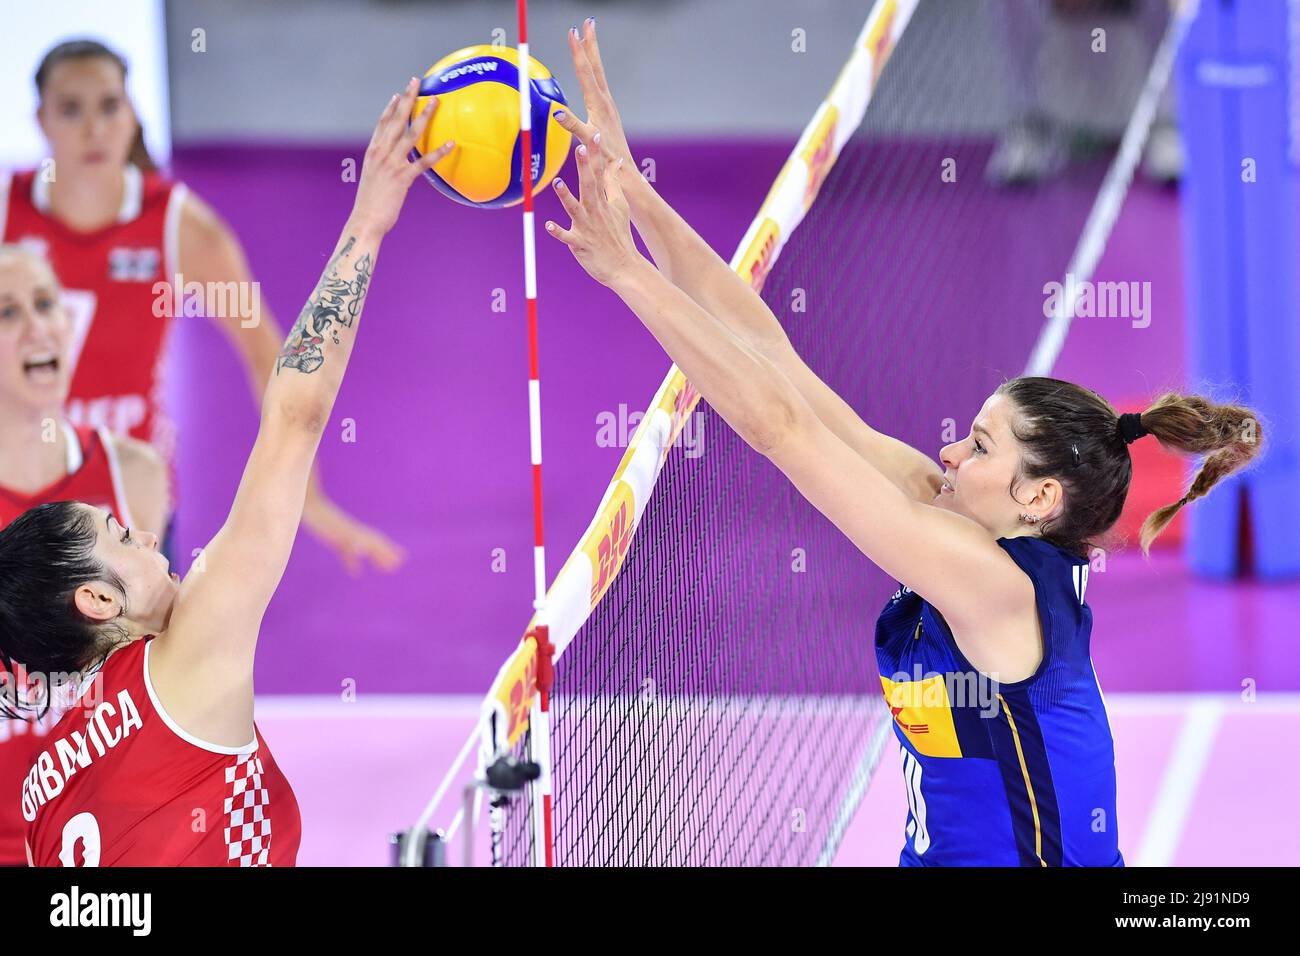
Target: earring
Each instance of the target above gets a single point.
(1029, 519)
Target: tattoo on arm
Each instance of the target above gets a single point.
(335, 302)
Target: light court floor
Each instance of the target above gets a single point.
(1204, 779)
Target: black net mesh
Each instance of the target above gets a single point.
(721, 706)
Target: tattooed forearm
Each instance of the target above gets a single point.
(335, 302)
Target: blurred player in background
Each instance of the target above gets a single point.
(1104, 47)
(112, 226)
(45, 459)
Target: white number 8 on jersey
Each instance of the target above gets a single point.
(83, 827)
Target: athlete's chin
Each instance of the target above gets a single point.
(100, 160)
(37, 394)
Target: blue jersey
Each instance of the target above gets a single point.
(1019, 774)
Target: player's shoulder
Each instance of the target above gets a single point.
(203, 231)
(198, 214)
(1033, 552)
(15, 184)
(1060, 577)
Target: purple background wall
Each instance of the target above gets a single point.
(437, 389)
(437, 392)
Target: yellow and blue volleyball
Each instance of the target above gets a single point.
(478, 107)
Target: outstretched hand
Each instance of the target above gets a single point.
(387, 172)
(600, 236)
(602, 112)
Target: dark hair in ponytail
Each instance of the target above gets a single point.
(45, 555)
(1230, 437)
(93, 49)
(1072, 434)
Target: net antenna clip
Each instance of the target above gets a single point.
(541, 635)
(508, 774)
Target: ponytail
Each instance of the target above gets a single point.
(1229, 436)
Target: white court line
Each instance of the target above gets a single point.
(1179, 786)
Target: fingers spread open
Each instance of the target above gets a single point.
(598, 167)
(389, 131)
(432, 159)
(587, 186)
(559, 232)
(567, 199)
(613, 188)
(579, 56)
(416, 132)
(583, 131)
(592, 48)
(592, 94)
(588, 82)
(384, 119)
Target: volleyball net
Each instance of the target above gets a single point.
(713, 698)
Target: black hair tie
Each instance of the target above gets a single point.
(1130, 427)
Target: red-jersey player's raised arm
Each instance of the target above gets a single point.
(162, 733)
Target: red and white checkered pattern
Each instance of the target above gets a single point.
(248, 830)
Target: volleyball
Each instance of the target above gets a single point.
(478, 107)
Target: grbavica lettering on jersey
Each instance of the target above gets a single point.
(107, 727)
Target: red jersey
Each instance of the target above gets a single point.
(108, 276)
(20, 742)
(119, 783)
(92, 477)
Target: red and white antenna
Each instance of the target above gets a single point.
(539, 718)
